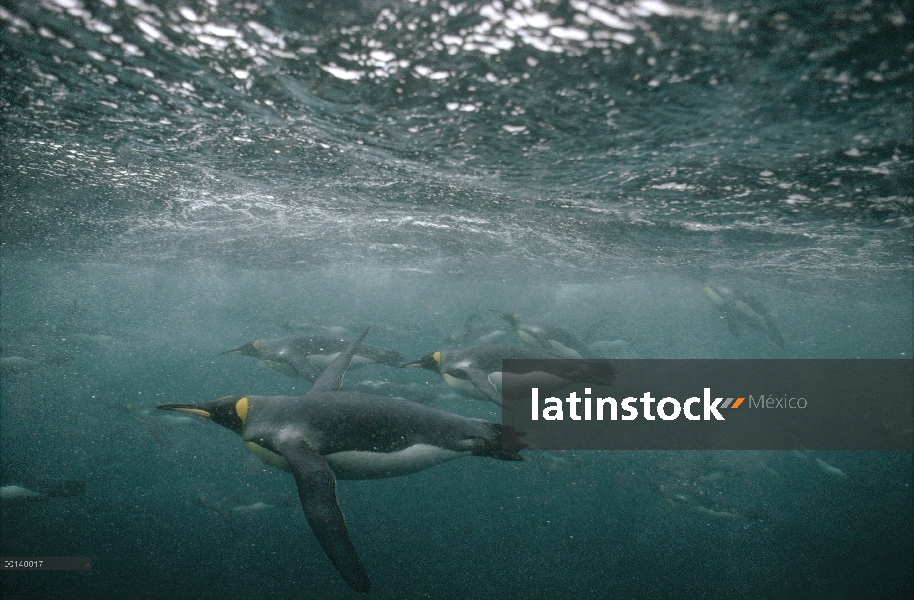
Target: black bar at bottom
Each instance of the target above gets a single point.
(46, 563)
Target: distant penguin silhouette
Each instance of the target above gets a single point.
(551, 339)
(311, 329)
(476, 331)
(307, 355)
(39, 489)
(738, 308)
(476, 371)
(15, 365)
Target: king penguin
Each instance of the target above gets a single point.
(328, 434)
(551, 339)
(476, 333)
(307, 355)
(476, 371)
(742, 308)
(40, 489)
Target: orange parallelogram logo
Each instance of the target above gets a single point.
(736, 404)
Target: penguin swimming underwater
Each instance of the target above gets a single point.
(328, 434)
(15, 365)
(307, 355)
(551, 339)
(40, 489)
(741, 308)
(476, 333)
(301, 327)
(476, 371)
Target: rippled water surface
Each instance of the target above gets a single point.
(181, 177)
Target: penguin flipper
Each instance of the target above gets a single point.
(773, 333)
(331, 380)
(731, 323)
(317, 492)
(469, 328)
(480, 379)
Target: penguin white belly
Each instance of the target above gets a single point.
(562, 350)
(17, 493)
(354, 464)
(463, 386)
(358, 464)
(713, 296)
(256, 507)
(495, 379)
(490, 338)
(526, 337)
(270, 458)
(749, 316)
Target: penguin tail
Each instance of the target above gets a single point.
(503, 443)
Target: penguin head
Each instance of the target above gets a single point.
(432, 362)
(250, 349)
(228, 411)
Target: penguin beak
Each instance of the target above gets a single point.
(412, 364)
(249, 349)
(186, 408)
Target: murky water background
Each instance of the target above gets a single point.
(179, 178)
